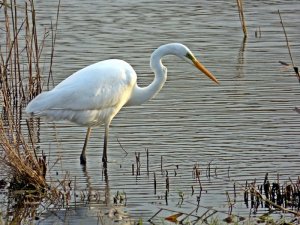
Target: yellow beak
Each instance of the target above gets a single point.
(204, 70)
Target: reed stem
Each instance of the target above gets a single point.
(241, 16)
(289, 48)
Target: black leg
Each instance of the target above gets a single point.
(82, 156)
(104, 155)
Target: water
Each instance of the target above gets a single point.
(244, 127)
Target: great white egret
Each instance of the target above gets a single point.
(93, 95)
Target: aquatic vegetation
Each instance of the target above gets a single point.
(22, 168)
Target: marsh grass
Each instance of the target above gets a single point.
(20, 81)
(21, 50)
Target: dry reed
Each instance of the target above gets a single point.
(21, 50)
(20, 80)
(289, 48)
(242, 17)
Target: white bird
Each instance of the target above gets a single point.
(93, 95)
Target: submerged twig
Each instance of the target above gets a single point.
(147, 154)
(138, 163)
(283, 209)
(122, 146)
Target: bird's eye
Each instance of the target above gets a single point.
(189, 56)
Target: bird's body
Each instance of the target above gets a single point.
(89, 97)
(93, 95)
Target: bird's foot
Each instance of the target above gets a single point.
(82, 159)
(104, 162)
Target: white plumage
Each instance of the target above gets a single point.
(90, 97)
(93, 95)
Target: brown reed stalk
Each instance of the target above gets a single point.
(14, 78)
(50, 76)
(241, 16)
(289, 48)
(23, 167)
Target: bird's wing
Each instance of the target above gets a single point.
(95, 87)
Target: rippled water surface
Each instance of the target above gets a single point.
(244, 127)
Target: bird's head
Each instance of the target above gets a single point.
(186, 54)
(182, 52)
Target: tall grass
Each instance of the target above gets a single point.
(20, 80)
(22, 43)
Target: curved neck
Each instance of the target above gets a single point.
(143, 94)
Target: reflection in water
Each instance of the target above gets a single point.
(104, 179)
(241, 59)
(106, 189)
(88, 180)
(19, 209)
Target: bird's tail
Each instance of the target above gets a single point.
(38, 104)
